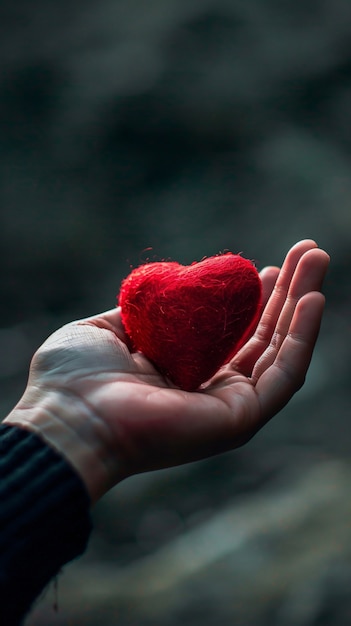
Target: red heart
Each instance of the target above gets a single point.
(190, 320)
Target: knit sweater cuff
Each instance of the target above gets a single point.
(44, 519)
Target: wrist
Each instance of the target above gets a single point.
(67, 424)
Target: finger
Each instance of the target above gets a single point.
(277, 299)
(308, 277)
(268, 277)
(109, 320)
(287, 374)
(246, 358)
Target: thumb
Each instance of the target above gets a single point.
(110, 320)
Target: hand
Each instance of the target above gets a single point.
(111, 414)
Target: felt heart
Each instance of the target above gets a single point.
(190, 320)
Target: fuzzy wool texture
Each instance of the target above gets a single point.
(189, 320)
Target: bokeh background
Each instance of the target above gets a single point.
(176, 129)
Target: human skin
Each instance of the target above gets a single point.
(111, 414)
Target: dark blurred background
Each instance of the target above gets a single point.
(178, 129)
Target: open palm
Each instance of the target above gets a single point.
(144, 421)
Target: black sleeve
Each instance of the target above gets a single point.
(44, 519)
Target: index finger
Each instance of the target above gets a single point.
(245, 360)
(281, 380)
